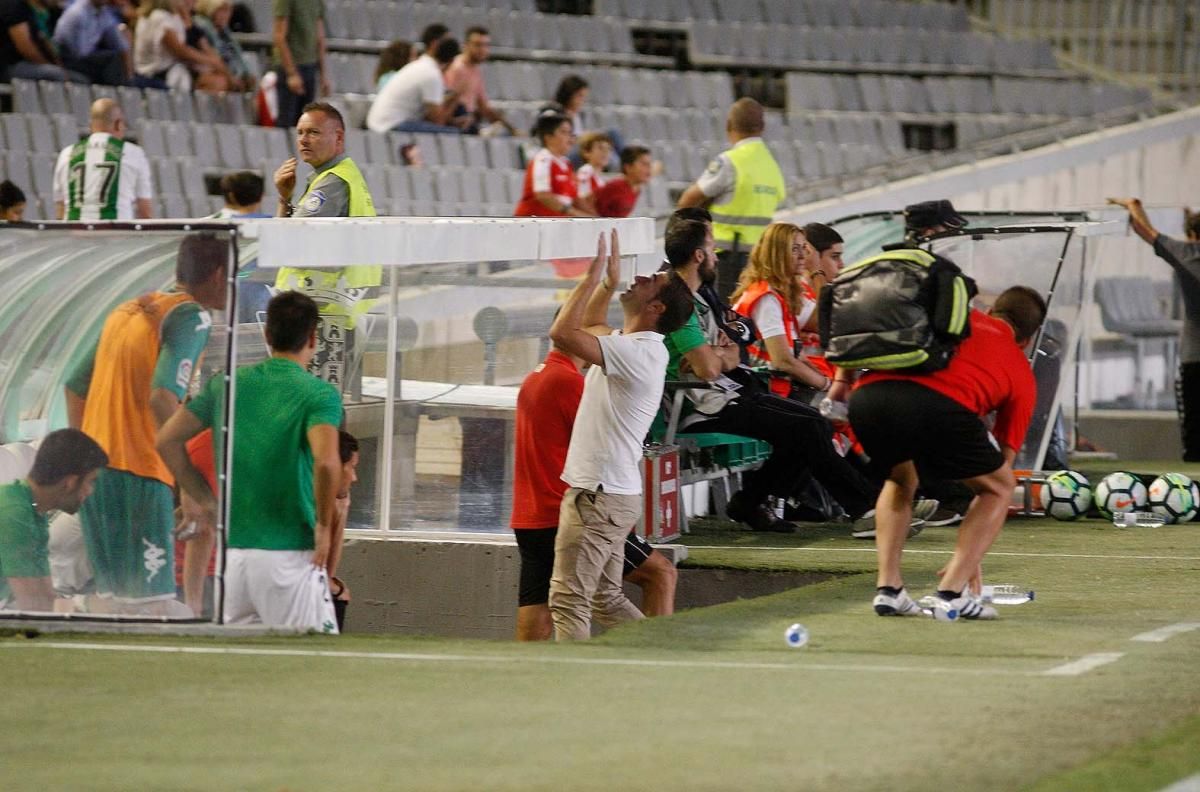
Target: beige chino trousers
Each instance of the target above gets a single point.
(589, 557)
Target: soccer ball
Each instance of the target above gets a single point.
(1066, 495)
(1173, 496)
(796, 636)
(1119, 493)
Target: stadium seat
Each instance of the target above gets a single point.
(16, 133)
(53, 97)
(166, 176)
(25, 97)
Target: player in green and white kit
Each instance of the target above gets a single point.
(286, 472)
(103, 177)
(61, 478)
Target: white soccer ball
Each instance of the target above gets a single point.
(1174, 497)
(1120, 493)
(796, 636)
(1066, 495)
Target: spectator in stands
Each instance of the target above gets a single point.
(570, 97)
(550, 188)
(162, 54)
(416, 99)
(62, 477)
(395, 56)
(336, 188)
(410, 155)
(298, 56)
(212, 20)
(917, 425)
(619, 196)
(431, 36)
(123, 389)
(1184, 257)
(90, 39)
(12, 202)
(801, 440)
(742, 187)
(621, 395)
(546, 408)
(212, 74)
(86, 187)
(26, 49)
(243, 193)
(465, 78)
(596, 149)
(286, 472)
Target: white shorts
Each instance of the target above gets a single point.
(70, 569)
(278, 588)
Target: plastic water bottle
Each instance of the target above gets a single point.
(796, 636)
(780, 505)
(1006, 594)
(1138, 519)
(834, 410)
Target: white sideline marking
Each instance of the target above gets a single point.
(489, 659)
(1166, 633)
(1189, 784)
(949, 552)
(1084, 664)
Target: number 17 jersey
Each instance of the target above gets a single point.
(100, 178)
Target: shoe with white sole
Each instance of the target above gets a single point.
(922, 509)
(971, 608)
(943, 517)
(899, 605)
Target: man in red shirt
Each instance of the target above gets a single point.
(917, 426)
(546, 407)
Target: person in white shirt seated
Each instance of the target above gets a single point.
(416, 98)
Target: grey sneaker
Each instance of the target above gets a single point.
(864, 527)
(899, 605)
(943, 517)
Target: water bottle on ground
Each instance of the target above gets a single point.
(1006, 594)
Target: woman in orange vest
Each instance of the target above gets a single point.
(768, 292)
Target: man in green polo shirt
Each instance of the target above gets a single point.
(286, 472)
(61, 478)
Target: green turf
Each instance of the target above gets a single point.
(871, 703)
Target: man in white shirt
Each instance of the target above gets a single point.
(102, 177)
(416, 99)
(621, 395)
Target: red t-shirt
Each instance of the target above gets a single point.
(616, 199)
(546, 173)
(988, 372)
(200, 450)
(546, 407)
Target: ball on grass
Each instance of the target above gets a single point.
(1173, 496)
(1120, 493)
(796, 636)
(1066, 495)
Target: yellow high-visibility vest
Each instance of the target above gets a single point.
(758, 191)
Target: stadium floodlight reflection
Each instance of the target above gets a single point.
(414, 362)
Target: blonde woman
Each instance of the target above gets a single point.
(769, 292)
(212, 19)
(162, 55)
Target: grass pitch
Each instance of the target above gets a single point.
(709, 699)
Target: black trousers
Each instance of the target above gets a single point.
(1187, 402)
(801, 448)
(729, 265)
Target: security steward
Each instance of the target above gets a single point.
(336, 188)
(742, 188)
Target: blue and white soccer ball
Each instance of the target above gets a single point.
(796, 636)
(1174, 497)
(1066, 495)
(1120, 493)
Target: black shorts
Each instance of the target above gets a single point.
(898, 421)
(536, 546)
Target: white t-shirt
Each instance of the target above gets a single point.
(619, 402)
(406, 94)
(150, 57)
(105, 188)
(768, 316)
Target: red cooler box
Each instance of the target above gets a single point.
(660, 481)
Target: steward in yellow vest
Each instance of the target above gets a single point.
(335, 189)
(742, 188)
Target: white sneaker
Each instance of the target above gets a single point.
(899, 605)
(969, 607)
(922, 508)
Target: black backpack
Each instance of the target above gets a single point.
(905, 309)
